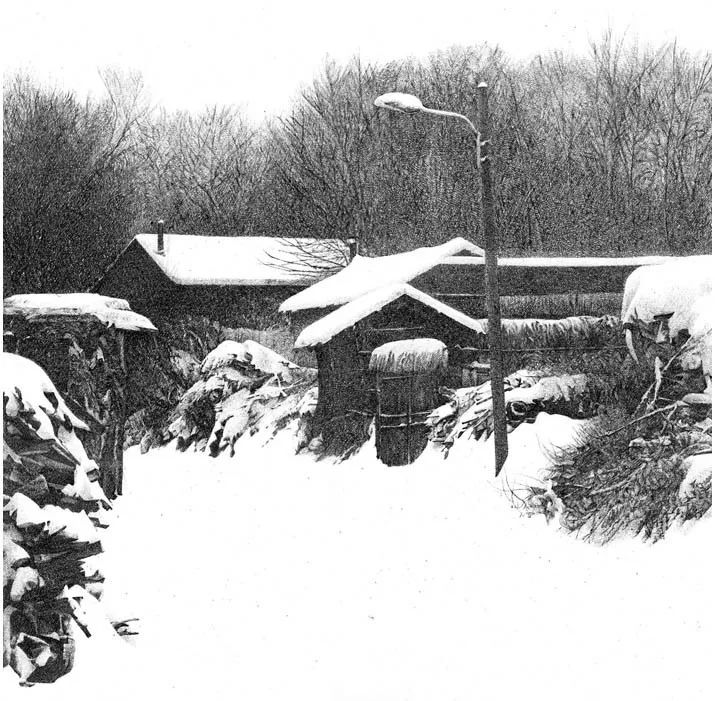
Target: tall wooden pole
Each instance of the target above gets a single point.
(491, 283)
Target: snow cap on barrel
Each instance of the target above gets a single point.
(416, 355)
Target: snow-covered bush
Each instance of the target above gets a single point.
(243, 387)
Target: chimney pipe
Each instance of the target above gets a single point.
(352, 247)
(160, 237)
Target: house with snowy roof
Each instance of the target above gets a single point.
(453, 273)
(436, 293)
(235, 280)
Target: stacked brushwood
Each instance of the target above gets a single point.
(53, 510)
(528, 342)
(638, 475)
(641, 463)
(243, 388)
(581, 386)
(82, 341)
(167, 365)
(640, 472)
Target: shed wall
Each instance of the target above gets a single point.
(540, 292)
(345, 384)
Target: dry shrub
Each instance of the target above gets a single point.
(627, 478)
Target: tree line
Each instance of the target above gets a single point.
(607, 153)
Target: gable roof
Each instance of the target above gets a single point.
(243, 260)
(350, 313)
(364, 274)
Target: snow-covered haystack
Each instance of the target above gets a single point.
(53, 507)
(110, 311)
(243, 388)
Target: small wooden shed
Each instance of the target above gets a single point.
(80, 341)
(344, 340)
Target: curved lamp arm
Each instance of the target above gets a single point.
(456, 115)
(409, 104)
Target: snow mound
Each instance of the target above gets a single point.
(247, 353)
(698, 469)
(27, 385)
(676, 288)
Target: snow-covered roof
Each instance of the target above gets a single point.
(349, 314)
(364, 274)
(548, 262)
(110, 311)
(244, 260)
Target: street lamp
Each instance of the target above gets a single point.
(409, 104)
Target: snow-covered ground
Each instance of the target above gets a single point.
(271, 576)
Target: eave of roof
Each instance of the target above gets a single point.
(335, 322)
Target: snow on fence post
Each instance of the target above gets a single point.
(160, 237)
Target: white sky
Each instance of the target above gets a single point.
(259, 53)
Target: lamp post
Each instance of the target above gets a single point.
(409, 104)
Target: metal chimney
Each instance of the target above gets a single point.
(160, 237)
(352, 247)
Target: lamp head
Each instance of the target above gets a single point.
(400, 102)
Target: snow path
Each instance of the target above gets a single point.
(270, 576)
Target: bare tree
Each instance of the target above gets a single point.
(68, 183)
(201, 172)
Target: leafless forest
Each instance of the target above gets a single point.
(609, 152)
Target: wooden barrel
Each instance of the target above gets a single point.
(408, 375)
